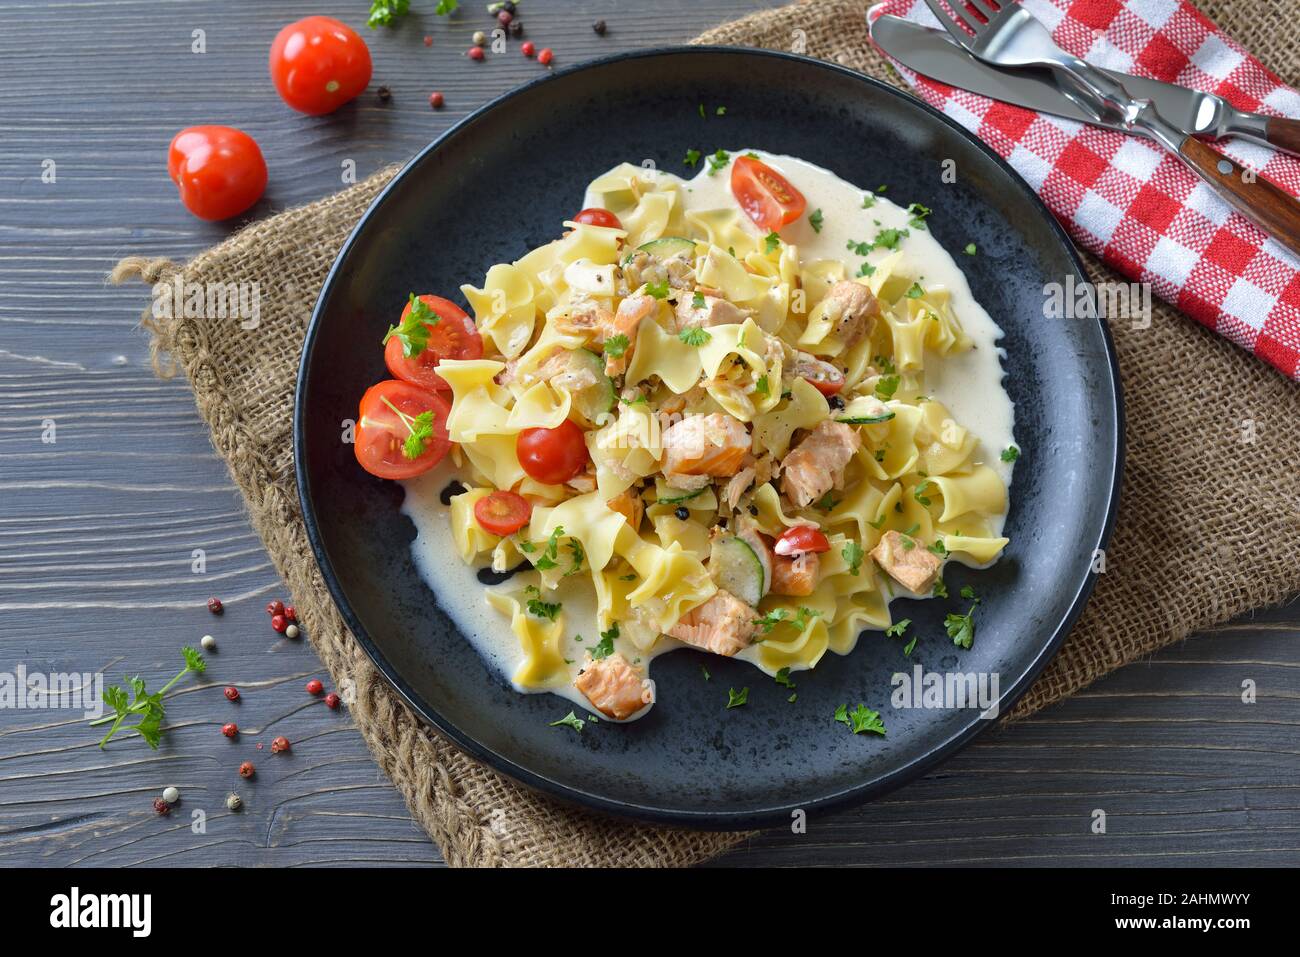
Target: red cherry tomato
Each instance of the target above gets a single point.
(799, 539)
(503, 513)
(827, 383)
(552, 456)
(318, 64)
(381, 432)
(764, 194)
(218, 169)
(595, 216)
(453, 336)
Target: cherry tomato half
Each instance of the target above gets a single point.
(553, 456)
(823, 376)
(503, 513)
(799, 539)
(219, 170)
(595, 216)
(318, 64)
(453, 336)
(764, 194)
(387, 419)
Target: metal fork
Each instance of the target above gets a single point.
(1004, 34)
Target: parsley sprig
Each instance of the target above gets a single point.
(419, 429)
(860, 719)
(149, 707)
(413, 331)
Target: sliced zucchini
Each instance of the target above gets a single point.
(666, 247)
(599, 397)
(751, 538)
(735, 567)
(864, 410)
(673, 496)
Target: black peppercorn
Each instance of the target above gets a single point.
(599, 27)
(722, 522)
(508, 6)
(837, 402)
(682, 512)
(516, 28)
(385, 94)
(753, 510)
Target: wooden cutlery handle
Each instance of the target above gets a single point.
(1283, 133)
(1257, 199)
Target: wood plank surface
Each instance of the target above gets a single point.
(98, 530)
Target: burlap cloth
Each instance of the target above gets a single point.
(1206, 529)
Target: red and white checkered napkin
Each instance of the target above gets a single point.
(1131, 202)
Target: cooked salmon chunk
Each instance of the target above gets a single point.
(710, 311)
(795, 576)
(713, 444)
(856, 310)
(907, 561)
(723, 625)
(625, 323)
(613, 686)
(817, 463)
(628, 504)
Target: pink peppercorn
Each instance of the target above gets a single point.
(230, 730)
(546, 56)
(280, 744)
(275, 608)
(527, 48)
(476, 53)
(279, 623)
(314, 687)
(504, 17)
(215, 606)
(290, 612)
(332, 700)
(428, 41)
(436, 100)
(246, 770)
(231, 693)
(162, 807)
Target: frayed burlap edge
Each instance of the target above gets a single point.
(1204, 531)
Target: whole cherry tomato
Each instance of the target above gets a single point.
(218, 169)
(595, 216)
(318, 64)
(553, 456)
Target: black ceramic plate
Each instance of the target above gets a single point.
(500, 183)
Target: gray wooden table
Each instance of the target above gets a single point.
(98, 529)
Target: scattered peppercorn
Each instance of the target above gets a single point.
(527, 48)
(517, 28)
(428, 41)
(599, 27)
(722, 522)
(171, 795)
(837, 402)
(208, 642)
(436, 100)
(232, 693)
(753, 510)
(290, 612)
(546, 56)
(504, 17)
(292, 632)
(278, 622)
(246, 770)
(230, 730)
(162, 807)
(275, 608)
(331, 700)
(385, 94)
(479, 38)
(315, 687)
(234, 802)
(215, 606)
(682, 512)
(476, 53)
(509, 6)
(280, 744)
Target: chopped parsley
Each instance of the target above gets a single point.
(770, 620)
(771, 241)
(695, 336)
(721, 111)
(579, 556)
(858, 248)
(969, 594)
(919, 213)
(541, 609)
(940, 589)
(570, 720)
(736, 698)
(938, 548)
(805, 617)
(718, 161)
(692, 158)
(705, 672)
(825, 503)
(908, 648)
(616, 345)
(701, 111)
(970, 249)
(868, 200)
(860, 719)
(916, 492)
(783, 678)
(793, 698)
(915, 291)
(866, 269)
(657, 289)
(896, 630)
(853, 554)
(1010, 454)
(605, 647)
(413, 331)
(761, 386)
(815, 220)
(697, 301)
(889, 238)
(550, 556)
(886, 386)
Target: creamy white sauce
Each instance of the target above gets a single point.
(969, 384)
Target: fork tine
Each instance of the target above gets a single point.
(985, 7)
(950, 22)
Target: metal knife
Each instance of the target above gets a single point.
(934, 54)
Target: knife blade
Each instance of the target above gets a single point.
(934, 54)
